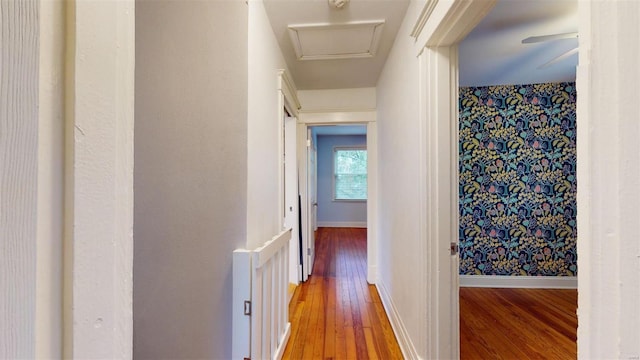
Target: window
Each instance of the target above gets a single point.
(350, 173)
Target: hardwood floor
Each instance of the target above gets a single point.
(336, 314)
(518, 323)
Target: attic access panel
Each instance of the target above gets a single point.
(336, 41)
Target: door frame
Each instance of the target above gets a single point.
(288, 102)
(368, 118)
(437, 32)
(309, 224)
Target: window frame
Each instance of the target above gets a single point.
(333, 172)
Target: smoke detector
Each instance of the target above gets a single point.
(338, 4)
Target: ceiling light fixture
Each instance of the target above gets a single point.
(338, 4)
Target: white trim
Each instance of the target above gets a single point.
(49, 263)
(287, 100)
(439, 28)
(99, 174)
(424, 16)
(372, 202)
(283, 341)
(525, 282)
(608, 178)
(289, 92)
(333, 117)
(409, 351)
(271, 247)
(372, 169)
(446, 23)
(343, 224)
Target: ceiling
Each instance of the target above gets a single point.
(493, 53)
(341, 30)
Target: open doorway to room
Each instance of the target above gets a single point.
(517, 190)
(334, 186)
(336, 311)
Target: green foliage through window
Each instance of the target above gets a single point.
(350, 173)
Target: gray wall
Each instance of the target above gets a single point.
(330, 211)
(190, 174)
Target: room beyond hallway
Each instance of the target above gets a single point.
(518, 323)
(336, 314)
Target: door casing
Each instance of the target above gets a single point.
(368, 118)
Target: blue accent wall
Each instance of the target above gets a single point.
(329, 210)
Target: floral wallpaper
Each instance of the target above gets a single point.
(518, 180)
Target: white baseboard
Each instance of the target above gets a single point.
(340, 224)
(532, 282)
(406, 345)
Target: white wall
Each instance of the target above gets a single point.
(190, 174)
(18, 177)
(264, 128)
(330, 212)
(398, 203)
(338, 99)
(608, 181)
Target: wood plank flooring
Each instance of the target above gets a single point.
(336, 314)
(518, 323)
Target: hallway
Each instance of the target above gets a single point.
(336, 314)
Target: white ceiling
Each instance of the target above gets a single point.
(493, 53)
(335, 73)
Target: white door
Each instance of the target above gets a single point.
(312, 202)
(291, 207)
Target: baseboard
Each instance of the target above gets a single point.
(342, 224)
(406, 345)
(531, 282)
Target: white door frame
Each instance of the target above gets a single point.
(310, 220)
(288, 99)
(438, 30)
(368, 118)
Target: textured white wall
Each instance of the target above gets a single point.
(19, 37)
(608, 181)
(264, 217)
(398, 204)
(190, 174)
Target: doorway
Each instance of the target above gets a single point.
(308, 134)
(517, 221)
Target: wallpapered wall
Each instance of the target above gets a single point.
(518, 180)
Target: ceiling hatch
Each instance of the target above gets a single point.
(336, 41)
